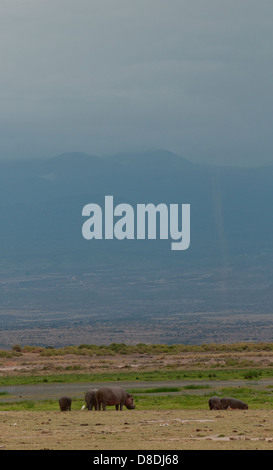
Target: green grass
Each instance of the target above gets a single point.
(30, 405)
(160, 375)
(255, 400)
(162, 398)
(195, 387)
(173, 402)
(260, 399)
(154, 390)
(143, 402)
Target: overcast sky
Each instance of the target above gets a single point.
(104, 76)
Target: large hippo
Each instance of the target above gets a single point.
(110, 396)
(233, 403)
(65, 403)
(90, 399)
(215, 403)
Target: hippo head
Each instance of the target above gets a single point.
(129, 402)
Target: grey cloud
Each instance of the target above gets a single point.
(113, 75)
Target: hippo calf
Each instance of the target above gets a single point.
(90, 399)
(114, 396)
(233, 403)
(65, 403)
(215, 403)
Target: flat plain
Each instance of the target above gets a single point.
(171, 391)
(137, 430)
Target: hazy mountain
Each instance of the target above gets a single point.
(51, 278)
(42, 201)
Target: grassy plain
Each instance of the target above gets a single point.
(171, 386)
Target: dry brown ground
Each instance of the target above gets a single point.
(33, 363)
(137, 430)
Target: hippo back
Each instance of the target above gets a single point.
(109, 396)
(233, 403)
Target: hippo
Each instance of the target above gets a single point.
(215, 403)
(109, 396)
(90, 399)
(65, 403)
(233, 403)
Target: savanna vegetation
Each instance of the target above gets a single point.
(196, 369)
(140, 348)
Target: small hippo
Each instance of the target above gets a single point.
(233, 403)
(215, 403)
(65, 403)
(114, 396)
(90, 399)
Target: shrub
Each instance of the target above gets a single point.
(252, 374)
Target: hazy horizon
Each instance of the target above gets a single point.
(133, 153)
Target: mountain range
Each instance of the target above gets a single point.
(228, 266)
(42, 201)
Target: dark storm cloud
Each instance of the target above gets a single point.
(104, 76)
